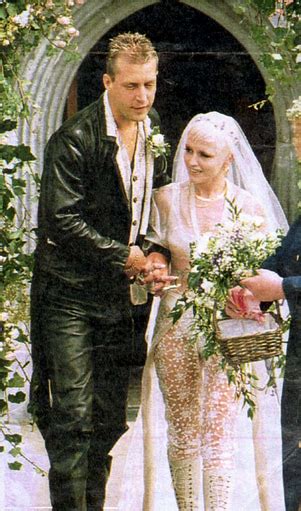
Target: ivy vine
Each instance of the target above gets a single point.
(276, 29)
(22, 27)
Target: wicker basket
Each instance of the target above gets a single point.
(244, 340)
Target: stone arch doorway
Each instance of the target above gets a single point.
(50, 79)
(202, 68)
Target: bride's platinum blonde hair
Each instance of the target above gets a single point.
(208, 133)
(245, 170)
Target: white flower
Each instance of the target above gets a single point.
(22, 19)
(207, 285)
(14, 333)
(155, 142)
(4, 316)
(298, 58)
(276, 56)
(158, 139)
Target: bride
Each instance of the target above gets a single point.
(215, 457)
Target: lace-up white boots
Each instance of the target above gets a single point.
(186, 480)
(218, 489)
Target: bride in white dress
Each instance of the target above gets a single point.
(197, 437)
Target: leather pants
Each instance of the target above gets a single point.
(81, 350)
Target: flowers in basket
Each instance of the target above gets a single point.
(217, 263)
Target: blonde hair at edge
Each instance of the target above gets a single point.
(137, 48)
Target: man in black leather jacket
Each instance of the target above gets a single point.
(281, 278)
(93, 212)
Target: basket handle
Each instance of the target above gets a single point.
(277, 314)
(214, 318)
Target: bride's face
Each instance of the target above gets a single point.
(206, 157)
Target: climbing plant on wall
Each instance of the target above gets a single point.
(276, 29)
(22, 26)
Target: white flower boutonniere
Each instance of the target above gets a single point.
(157, 145)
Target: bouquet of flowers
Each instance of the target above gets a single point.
(218, 263)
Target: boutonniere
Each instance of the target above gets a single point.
(155, 142)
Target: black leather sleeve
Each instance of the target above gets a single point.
(63, 202)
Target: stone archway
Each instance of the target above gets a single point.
(50, 79)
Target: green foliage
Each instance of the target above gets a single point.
(22, 26)
(280, 44)
(276, 29)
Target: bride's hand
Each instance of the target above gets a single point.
(156, 274)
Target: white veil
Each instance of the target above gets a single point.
(146, 483)
(245, 170)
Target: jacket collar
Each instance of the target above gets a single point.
(105, 134)
(109, 127)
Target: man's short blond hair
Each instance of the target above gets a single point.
(137, 47)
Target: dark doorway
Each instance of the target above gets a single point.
(202, 68)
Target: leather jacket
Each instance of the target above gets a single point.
(84, 218)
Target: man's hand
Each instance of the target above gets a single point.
(266, 286)
(135, 262)
(241, 303)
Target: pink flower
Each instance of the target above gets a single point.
(60, 44)
(64, 20)
(73, 32)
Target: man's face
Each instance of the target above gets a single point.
(132, 90)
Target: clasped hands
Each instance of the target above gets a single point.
(244, 300)
(151, 270)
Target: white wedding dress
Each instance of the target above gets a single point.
(177, 221)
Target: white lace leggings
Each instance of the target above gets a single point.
(200, 404)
